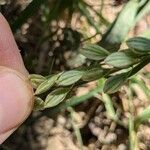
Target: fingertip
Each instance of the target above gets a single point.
(16, 99)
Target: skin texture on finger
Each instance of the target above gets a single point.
(6, 135)
(16, 93)
(16, 101)
(9, 52)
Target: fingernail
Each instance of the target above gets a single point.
(15, 100)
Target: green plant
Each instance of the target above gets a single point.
(123, 64)
(108, 65)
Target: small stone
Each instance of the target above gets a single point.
(122, 147)
(61, 120)
(110, 138)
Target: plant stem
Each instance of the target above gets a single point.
(76, 128)
(132, 132)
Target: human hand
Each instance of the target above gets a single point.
(16, 94)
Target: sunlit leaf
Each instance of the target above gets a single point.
(38, 104)
(36, 80)
(119, 29)
(76, 100)
(139, 44)
(121, 60)
(94, 52)
(47, 84)
(56, 97)
(69, 77)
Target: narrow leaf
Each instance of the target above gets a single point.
(76, 100)
(114, 83)
(56, 97)
(121, 60)
(36, 76)
(139, 44)
(94, 52)
(36, 80)
(119, 29)
(38, 104)
(47, 84)
(69, 77)
(92, 73)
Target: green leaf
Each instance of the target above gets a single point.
(76, 100)
(69, 77)
(119, 29)
(139, 45)
(38, 104)
(47, 84)
(92, 73)
(56, 97)
(114, 83)
(94, 52)
(121, 60)
(36, 80)
(36, 76)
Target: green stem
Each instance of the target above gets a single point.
(142, 117)
(132, 132)
(141, 84)
(137, 68)
(76, 128)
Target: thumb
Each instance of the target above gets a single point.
(16, 94)
(15, 99)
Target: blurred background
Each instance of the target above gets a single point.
(49, 34)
